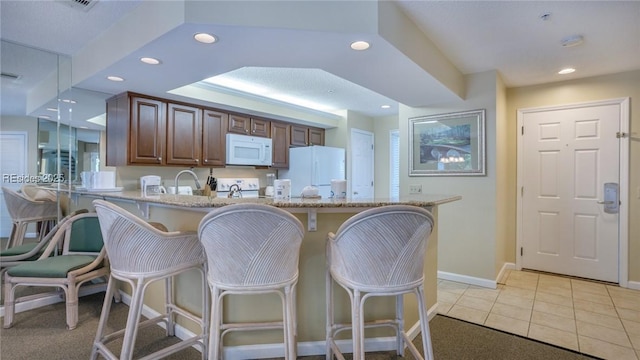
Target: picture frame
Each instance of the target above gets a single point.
(451, 144)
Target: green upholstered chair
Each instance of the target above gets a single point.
(74, 256)
(31, 251)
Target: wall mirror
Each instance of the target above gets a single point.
(44, 131)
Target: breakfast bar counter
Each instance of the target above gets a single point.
(319, 216)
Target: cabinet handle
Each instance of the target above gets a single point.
(205, 160)
(160, 159)
(196, 160)
(246, 131)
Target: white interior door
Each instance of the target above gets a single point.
(13, 161)
(361, 164)
(568, 155)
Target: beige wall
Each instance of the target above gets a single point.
(467, 228)
(383, 127)
(621, 85)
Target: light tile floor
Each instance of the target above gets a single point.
(590, 317)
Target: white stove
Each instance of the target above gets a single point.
(249, 187)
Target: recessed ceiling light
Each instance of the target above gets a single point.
(52, 109)
(44, 116)
(386, 106)
(360, 45)
(150, 60)
(68, 101)
(205, 38)
(566, 71)
(115, 78)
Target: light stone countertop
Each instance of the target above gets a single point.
(194, 201)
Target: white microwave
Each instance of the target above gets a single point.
(248, 150)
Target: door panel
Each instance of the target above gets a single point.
(361, 164)
(568, 155)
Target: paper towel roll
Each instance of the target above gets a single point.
(282, 189)
(338, 189)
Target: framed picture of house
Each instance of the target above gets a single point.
(450, 144)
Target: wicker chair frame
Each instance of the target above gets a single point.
(140, 254)
(23, 211)
(378, 252)
(98, 268)
(252, 249)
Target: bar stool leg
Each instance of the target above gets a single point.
(216, 321)
(133, 318)
(104, 316)
(400, 325)
(424, 324)
(329, 315)
(169, 301)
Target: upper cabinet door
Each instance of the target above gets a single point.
(183, 135)
(316, 136)
(214, 125)
(147, 131)
(280, 145)
(299, 135)
(239, 124)
(260, 127)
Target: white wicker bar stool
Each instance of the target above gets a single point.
(251, 249)
(140, 254)
(379, 252)
(23, 211)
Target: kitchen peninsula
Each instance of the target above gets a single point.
(319, 216)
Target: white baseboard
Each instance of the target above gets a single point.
(635, 285)
(465, 279)
(471, 280)
(51, 298)
(307, 348)
(505, 267)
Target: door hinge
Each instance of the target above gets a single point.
(522, 191)
(521, 251)
(621, 135)
(522, 130)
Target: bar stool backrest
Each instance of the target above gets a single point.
(382, 247)
(135, 246)
(251, 245)
(21, 207)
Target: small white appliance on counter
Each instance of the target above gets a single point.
(240, 187)
(151, 185)
(315, 166)
(248, 150)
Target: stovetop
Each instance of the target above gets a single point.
(249, 187)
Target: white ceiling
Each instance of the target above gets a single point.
(269, 42)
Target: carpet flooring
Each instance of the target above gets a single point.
(41, 334)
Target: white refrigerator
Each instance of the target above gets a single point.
(316, 166)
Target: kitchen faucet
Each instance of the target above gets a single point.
(195, 178)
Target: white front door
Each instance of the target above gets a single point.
(13, 161)
(361, 164)
(568, 154)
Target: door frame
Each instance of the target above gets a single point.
(623, 224)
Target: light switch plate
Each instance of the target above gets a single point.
(415, 189)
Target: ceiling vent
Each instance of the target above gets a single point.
(84, 5)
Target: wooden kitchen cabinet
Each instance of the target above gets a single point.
(147, 126)
(184, 129)
(245, 125)
(214, 126)
(306, 136)
(280, 138)
(316, 136)
(136, 130)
